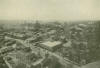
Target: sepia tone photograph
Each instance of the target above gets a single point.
(49, 33)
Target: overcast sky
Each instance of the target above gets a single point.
(50, 9)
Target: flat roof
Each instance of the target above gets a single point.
(51, 44)
(92, 65)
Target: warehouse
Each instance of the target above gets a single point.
(52, 46)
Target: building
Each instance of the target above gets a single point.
(54, 62)
(92, 65)
(2, 63)
(51, 46)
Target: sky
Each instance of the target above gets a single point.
(68, 10)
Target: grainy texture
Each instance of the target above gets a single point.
(49, 45)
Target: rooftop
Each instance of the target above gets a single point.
(51, 44)
(92, 65)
